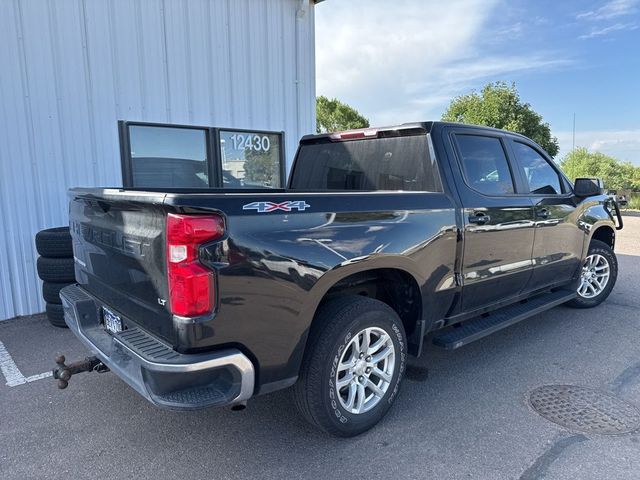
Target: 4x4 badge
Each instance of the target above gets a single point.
(266, 207)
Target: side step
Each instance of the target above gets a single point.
(479, 327)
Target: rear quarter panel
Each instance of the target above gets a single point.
(274, 268)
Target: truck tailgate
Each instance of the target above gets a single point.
(119, 253)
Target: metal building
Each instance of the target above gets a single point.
(72, 68)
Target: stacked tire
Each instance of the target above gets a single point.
(55, 269)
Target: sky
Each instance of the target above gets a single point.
(404, 60)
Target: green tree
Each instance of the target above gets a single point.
(616, 174)
(333, 115)
(499, 105)
(261, 167)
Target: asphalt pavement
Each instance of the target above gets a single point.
(461, 414)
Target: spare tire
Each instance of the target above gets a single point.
(55, 314)
(54, 243)
(57, 270)
(51, 292)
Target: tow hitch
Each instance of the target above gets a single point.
(63, 373)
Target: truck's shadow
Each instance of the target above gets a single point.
(480, 388)
(467, 403)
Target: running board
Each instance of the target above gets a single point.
(482, 326)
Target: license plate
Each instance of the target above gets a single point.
(112, 322)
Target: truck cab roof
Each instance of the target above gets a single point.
(410, 128)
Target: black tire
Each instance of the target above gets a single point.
(55, 314)
(54, 243)
(58, 270)
(336, 324)
(599, 248)
(51, 292)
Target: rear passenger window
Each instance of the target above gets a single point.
(394, 163)
(484, 164)
(542, 177)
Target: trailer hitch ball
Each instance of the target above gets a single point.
(61, 373)
(64, 372)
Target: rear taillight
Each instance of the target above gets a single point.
(191, 285)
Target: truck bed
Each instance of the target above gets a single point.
(271, 268)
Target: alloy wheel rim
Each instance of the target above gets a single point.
(594, 277)
(365, 370)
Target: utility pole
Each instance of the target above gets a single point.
(574, 132)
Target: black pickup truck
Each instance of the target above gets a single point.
(201, 298)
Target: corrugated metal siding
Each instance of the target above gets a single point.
(72, 68)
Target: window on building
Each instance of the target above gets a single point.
(250, 159)
(168, 157)
(484, 164)
(171, 156)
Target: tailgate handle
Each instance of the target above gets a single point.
(104, 206)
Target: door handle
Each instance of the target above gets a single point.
(542, 213)
(479, 217)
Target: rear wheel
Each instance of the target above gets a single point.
(598, 276)
(353, 367)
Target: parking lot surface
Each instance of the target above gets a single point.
(461, 414)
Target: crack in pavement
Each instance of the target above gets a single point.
(544, 461)
(629, 377)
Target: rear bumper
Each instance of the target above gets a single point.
(156, 371)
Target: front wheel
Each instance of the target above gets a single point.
(597, 277)
(353, 366)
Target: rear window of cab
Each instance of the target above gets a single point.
(398, 163)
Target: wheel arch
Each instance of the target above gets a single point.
(392, 286)
(371, 281)
(597, 223)
(605, 233)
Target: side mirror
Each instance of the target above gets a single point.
(586, 187)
